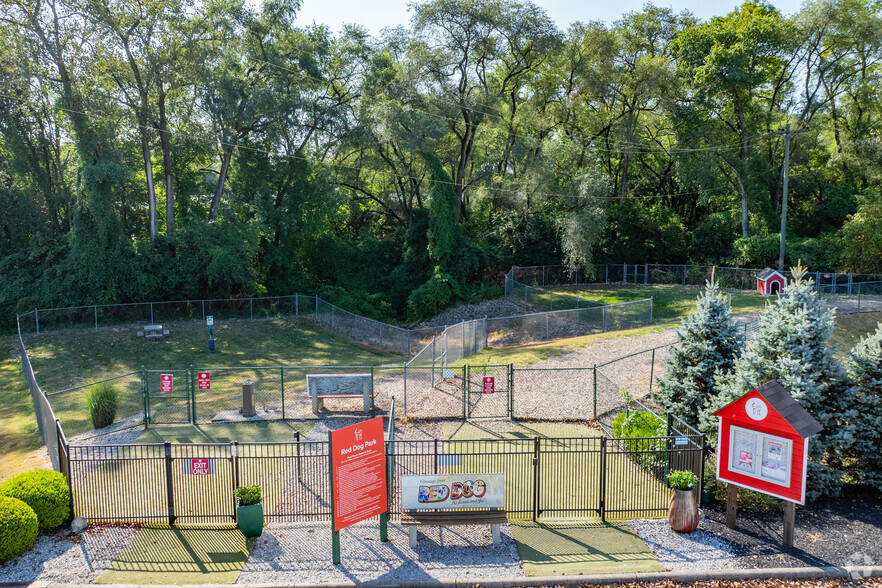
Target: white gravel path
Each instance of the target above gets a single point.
(73, 559)
(699, 550)
(292, 553)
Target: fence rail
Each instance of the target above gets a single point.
(545, 477)
(694, 275)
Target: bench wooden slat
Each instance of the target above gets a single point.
(486, 517)
(341, 396)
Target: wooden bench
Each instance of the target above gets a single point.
(443, 518)
(321, 386)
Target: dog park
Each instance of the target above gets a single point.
(557, 399)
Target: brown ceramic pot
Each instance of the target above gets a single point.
(683, 511)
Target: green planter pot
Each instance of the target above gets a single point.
(250, 519)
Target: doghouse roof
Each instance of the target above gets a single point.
(768, 273)
(791, 411)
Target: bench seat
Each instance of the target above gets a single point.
(412, 518)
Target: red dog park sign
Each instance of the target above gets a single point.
(763, 442)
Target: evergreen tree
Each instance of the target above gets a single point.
(791, 347)
(707, 345)
(864, 456)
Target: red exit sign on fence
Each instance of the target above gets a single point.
(166, 382)
(199, 466)
(489, 384)
(204, 380)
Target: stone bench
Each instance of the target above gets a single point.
(322, 386)
(413, 518)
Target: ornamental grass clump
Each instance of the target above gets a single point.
(44, 491)
(102, 401)
(18, 527)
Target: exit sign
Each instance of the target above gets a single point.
(199, 466)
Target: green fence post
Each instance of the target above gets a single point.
(192, 396)
(603, 479)
(651, 370)
(145, 392)
(465, 390)
(595, 391)
(384, 517)
(282, 376)
(510, 391)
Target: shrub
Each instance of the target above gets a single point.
(433, 296)
(18, 527)
(247, 495)
(648, 452)
(102, 401)
(45, 491)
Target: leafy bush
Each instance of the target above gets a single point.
(682, 480)
(247, 495)
(643, 427)
(44, 491)
(18, 527)
(102, 401)
(432, 297)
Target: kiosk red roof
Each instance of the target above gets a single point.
(792, 413)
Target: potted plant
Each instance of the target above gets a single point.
(249, 510)
(683, 510)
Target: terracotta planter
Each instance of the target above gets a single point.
(683, 511)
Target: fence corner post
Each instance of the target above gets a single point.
(603, 478)
(145, 391)
(651, 301)
(192, 395)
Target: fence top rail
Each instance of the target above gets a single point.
(149, 302)
(568, 310)
(110, 379)
(640, 352)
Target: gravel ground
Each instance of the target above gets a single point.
(467, 312)
(834, 531)
(294, 553)
(74, 559)
(699, 550)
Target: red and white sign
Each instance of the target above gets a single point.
(203, 380)
(198, 466)
(758, 448)
(166, 383)
(489, 385)
(358, 464)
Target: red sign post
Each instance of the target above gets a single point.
(489, 384)
(358, 477)
(204, 380)
(166, 383)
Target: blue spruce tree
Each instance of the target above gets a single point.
(707, 344)
(863, 420)
(791, 347)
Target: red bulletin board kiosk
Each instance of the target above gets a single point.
(763, 445)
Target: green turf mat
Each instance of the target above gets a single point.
(462, 431)
(165, 555)
(247, 432)
(571, 548)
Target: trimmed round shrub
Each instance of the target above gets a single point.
(45, 491)
(18, 527)
(102, 401)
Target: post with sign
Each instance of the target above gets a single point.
(357, 470)
(209, 321)
(763, 445)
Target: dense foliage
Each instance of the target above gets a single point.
(18, 527)
(211, 148)
(864, 411)
(45, 491)
(707, 345)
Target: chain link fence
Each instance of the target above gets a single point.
(46, 421)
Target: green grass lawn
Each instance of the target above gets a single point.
(851, 327)
(670, 304)
(19, 435)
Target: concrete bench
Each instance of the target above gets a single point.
(322, 386)
(443, 518)
(153, 332)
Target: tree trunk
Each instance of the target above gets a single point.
(623, 187)
(742, 127)
(167, 169)
(148, 172)
(221, 180)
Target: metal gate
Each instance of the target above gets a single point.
(487, 391)
(168, 401)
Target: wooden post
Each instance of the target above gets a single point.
(789, 522)
(731, 506)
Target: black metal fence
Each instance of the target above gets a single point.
(544, 477)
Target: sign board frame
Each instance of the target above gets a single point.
(452, 491)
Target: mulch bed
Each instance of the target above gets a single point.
(841, 531)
